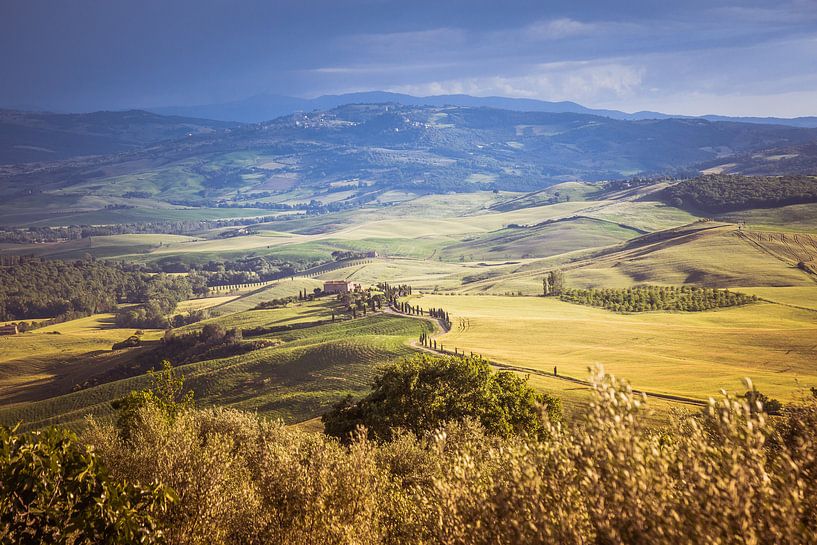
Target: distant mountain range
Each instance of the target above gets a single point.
(360, 152)
(266, 107)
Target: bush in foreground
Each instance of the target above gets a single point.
(726, 476)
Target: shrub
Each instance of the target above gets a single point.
(725, 476)
(167, 395)
(759, 401)
(130, 342)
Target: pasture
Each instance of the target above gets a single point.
(687, 354)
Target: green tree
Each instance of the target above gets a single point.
(553, 283)
(423, 392)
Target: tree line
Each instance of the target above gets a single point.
(648, 298)
(60, 290)
(157, 302)
(27, 235)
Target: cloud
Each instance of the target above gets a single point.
(796, 12)
(403, 43)
(581, 81)
(380, 69)
(556, 29)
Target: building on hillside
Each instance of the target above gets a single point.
(8, 329)
(340, 286)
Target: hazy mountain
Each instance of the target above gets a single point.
(43, 136)
(265, 107)
(806, 122)
(368, 149)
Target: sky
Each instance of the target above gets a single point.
(691, 57)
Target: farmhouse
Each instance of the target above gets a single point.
(340, 286)
(8, 329)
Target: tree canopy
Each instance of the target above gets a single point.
(422, 393)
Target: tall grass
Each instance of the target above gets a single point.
(729, 476)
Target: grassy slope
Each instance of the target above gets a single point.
(713, 257)
(794, 296)
(204, 303)
(282, 288)
(541, 241)
(51, 360)
(797, 217)
(646, 215)
(708, 254)
(296, 380)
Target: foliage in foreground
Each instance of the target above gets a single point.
(167, 395)
(726, 476)
(421, 394)
(55, 490)
(648, 298)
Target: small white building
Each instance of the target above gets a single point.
(340, 286)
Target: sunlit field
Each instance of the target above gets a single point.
(689, 354)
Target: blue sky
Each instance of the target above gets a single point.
(692, 57)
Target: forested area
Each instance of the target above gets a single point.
(60, 290)
(29, 235)
(647, 298)
(728, 192)
(158, 299)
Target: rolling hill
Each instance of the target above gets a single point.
(42, 136)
